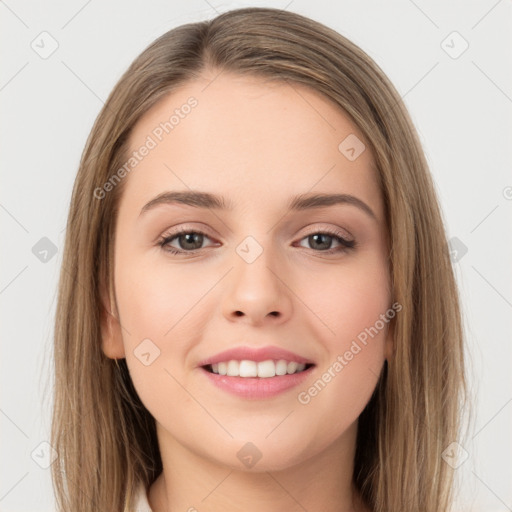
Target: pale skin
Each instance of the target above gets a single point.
(257, 145)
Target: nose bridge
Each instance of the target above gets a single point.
(256, 289)
(255, 263)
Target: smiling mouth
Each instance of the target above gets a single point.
(262, 369)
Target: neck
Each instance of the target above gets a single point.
(193, 483)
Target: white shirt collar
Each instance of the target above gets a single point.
(142, 503)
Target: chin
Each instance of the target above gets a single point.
(256, 453)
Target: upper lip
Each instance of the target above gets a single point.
(255, 354)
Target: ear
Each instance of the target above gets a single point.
(111, 338)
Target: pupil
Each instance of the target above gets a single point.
(315, 237)
(191, 238)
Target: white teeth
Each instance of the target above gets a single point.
(262, 369)
(281, 367)
(248, 369)
(233, 369)
(266, 369)
(292, 366)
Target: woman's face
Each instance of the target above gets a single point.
(253, 273)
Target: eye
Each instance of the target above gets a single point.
(189, 241)
(322, 241)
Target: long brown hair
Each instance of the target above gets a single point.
(105, 438)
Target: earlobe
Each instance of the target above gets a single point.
(111, 337)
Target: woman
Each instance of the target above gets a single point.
(255, 368)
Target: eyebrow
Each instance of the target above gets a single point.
(298, 203)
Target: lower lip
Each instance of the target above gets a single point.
(256, 387)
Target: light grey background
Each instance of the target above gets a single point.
(461, 106)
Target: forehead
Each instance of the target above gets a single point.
(249, 139)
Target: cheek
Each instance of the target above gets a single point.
(155, 299)
(346, 300)
(154, 317)
(352, 316)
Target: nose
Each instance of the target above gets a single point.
(258, 291)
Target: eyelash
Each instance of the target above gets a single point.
(346, 245)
